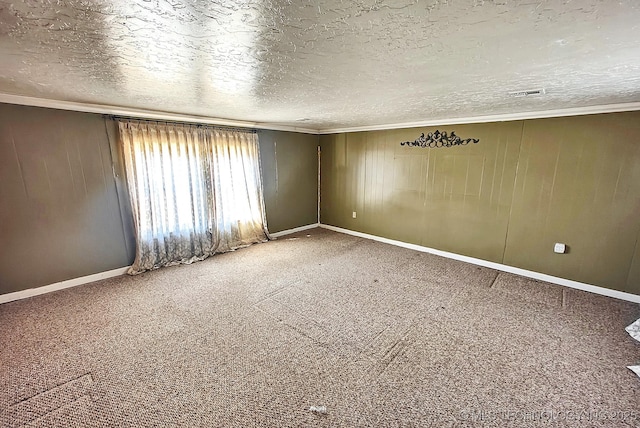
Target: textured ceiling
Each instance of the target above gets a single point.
(323, 64)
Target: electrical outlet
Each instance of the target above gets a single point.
(559, 248)
(353, 215)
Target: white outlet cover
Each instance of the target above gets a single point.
(354, 214)
(559, 248)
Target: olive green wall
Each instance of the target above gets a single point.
(507, 199)
(578, 182)
(64, 212)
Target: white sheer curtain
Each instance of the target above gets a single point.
(194, 191)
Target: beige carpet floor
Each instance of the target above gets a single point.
(382, 336)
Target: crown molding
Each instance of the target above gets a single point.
(144, 114)
(177, 117)
(574, 111)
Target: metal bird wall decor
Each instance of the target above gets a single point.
(439, 139)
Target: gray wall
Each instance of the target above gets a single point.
(60, 212)
(290, 178)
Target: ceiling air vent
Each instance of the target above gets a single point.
(518, 94)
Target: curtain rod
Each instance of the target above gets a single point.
(174, 122)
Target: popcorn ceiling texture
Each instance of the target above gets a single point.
(325, 64)
(382, 336)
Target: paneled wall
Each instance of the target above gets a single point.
(507, 199)
(61, 216)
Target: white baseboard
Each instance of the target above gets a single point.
(294, 230)
(23, 294)
(497, 266)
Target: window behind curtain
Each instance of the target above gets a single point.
(194, 191)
